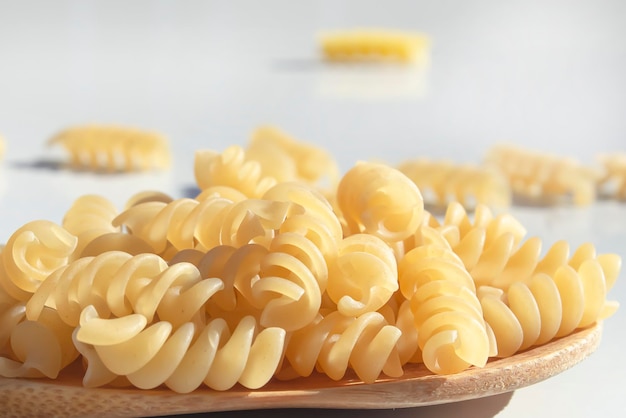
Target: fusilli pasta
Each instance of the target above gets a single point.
(113, 148)
(374, 44)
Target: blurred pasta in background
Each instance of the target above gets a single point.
(113, 148)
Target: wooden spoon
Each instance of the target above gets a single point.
(65, 397)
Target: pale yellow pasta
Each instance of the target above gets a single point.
(451, 331)
(544, 177)
(287, 159)
(318, 222)
(2, 146)
(613, 179)
(113, 148)
(377, 199)
(232, 168)
(182, 358)
(89, 217)
(364, 276)
(442, 182)
(264, 275)
(334, 343)
(187, 223)
(535, 311)
(35, 348)
(33, 252)
(379, 44)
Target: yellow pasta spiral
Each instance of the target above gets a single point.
(451, 331)
(118, 284)
(335, 343)
(379, 200)
(231, 168)
(33, 252)
(113, 148)
(364, 276)
(540, 176)
(182, 358)
(548, 306)
(189, 223)
(442, 182)
(89, 217)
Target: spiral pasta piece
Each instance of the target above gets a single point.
(451, 331)
(547, 306)
(33, 252)
(188, 223)
(379, 200)
(613, 179)
(118, 284)
(442, 182)
(364, 275)
(544, 177)
(113, 148)
(231, 168)
(335, 343)
(182, 358)
(89, 217)
(287, 159)
(379, 44)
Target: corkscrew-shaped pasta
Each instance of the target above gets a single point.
(544, 177)
(364, 275)
(379, 200)
(182, 358)
(533, 312)
(318, 221)
(334, 343)
(118, 284)
(452, 334)
(374, 44)
(232, 168)
(33, 252)
(114, 148)
(89, 217)
(287, 159)
(187, 223)
(442, 182)
(613, 180)
(486, 244)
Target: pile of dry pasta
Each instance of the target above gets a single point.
(280, 268)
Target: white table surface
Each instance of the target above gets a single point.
(547, 75)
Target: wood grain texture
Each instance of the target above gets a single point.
(65, 397)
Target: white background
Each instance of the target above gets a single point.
(548, 75)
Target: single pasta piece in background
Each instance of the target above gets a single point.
(113, 148)
(613, 180)
(544, 177)
(374, 44)
(442, 182)
(2, 146)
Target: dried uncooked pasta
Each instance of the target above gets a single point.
(534, 311)
(544, 177)
(378, 199)
(442, 182)
(231, 168)
(286, 159)
(255, 279)
(113, 148)
(90, 217)
(377, 44)
(613, 180)
(182, 358)
(452, 334)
